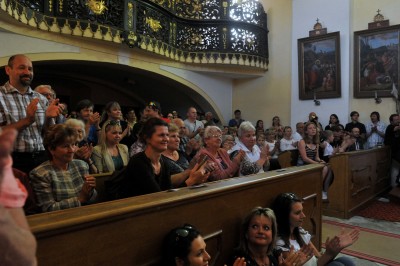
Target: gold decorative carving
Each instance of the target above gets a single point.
(60, 6)
(130, 15)
(97, 6)
(50, 5)
(154, 24)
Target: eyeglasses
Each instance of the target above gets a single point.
(290, 196)
(183, 232)
(217, 136)
(260, 211)
(113, 123)
(153, 105)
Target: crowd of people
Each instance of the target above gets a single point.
(60, 151)
(268, 236)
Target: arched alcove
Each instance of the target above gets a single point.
(74, 80)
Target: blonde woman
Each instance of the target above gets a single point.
(110, 155)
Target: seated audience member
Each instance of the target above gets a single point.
(112, 111)
(259, 127)
(256, 159)
(260, 140)
(354, 115)
(223, 166)
(62, 182)
(273, 148)
(131, 120)
(287, 143)
(312, 117)
(309, 154)
(375, 131)
(356, 140)
(276, 124)
(298, 135)
(84, 110)
(289, 213)
(228, 141)
(17, 243)
(110, 155)
(210, 120)
(328, 149)
(184, 246)
(392, 139)
(147, 172)
(187, 147)
(258, 235)
(176, 158)
(237, 120)
(84, 149)
(338, 133)
(152, 109)
(333, 122)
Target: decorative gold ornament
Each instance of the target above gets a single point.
(97, 6)
(155, 25)
(317, 26)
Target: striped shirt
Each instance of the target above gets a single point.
(56, 189)
(13, 106)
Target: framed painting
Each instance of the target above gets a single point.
(376, 61)
(319, 66)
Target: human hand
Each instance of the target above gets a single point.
(94, 118)
(7, 138)
(292, 259)
(197, 175)
(31, 110)
(239, 262)
(87, 188)
(239, 157)
(54, 109)
(348, 238)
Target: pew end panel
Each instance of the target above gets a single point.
(359, 177)
(131, 231)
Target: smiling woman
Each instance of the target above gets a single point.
(62, 182)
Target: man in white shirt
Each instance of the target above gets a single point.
(193, 125)
(298, 134)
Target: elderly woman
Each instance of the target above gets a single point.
(147, 171)
(62, 182)
(110, 155)
(224, 166)
(84, 150)
(255, 158)
(174, 156)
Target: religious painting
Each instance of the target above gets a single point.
(376, 62)
(319, 66)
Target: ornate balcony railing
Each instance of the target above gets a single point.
(230, 32)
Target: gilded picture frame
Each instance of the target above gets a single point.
(376, 61)
(319, 66)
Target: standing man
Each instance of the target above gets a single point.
(392, 139)
(193, 125)
(27, 111)
(50, 95)
(235, 122)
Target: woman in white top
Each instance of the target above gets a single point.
(289, 214)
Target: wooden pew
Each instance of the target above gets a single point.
(359, 177)
(100, 187)
(130, 231)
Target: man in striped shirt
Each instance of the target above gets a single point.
(27, 111)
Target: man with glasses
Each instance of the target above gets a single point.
(354, 123)
(188, 146)
(50, 94)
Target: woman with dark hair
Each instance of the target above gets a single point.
(259, 127)
(276, 124)
(308, 154)
(333, 122)
(112, 111)
(62, 182)
(184, 246)
(147, 171)
(288, 209)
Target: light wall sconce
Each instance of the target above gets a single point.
(316, 102)
(378, 100)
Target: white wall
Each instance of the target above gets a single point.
(335, 16)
